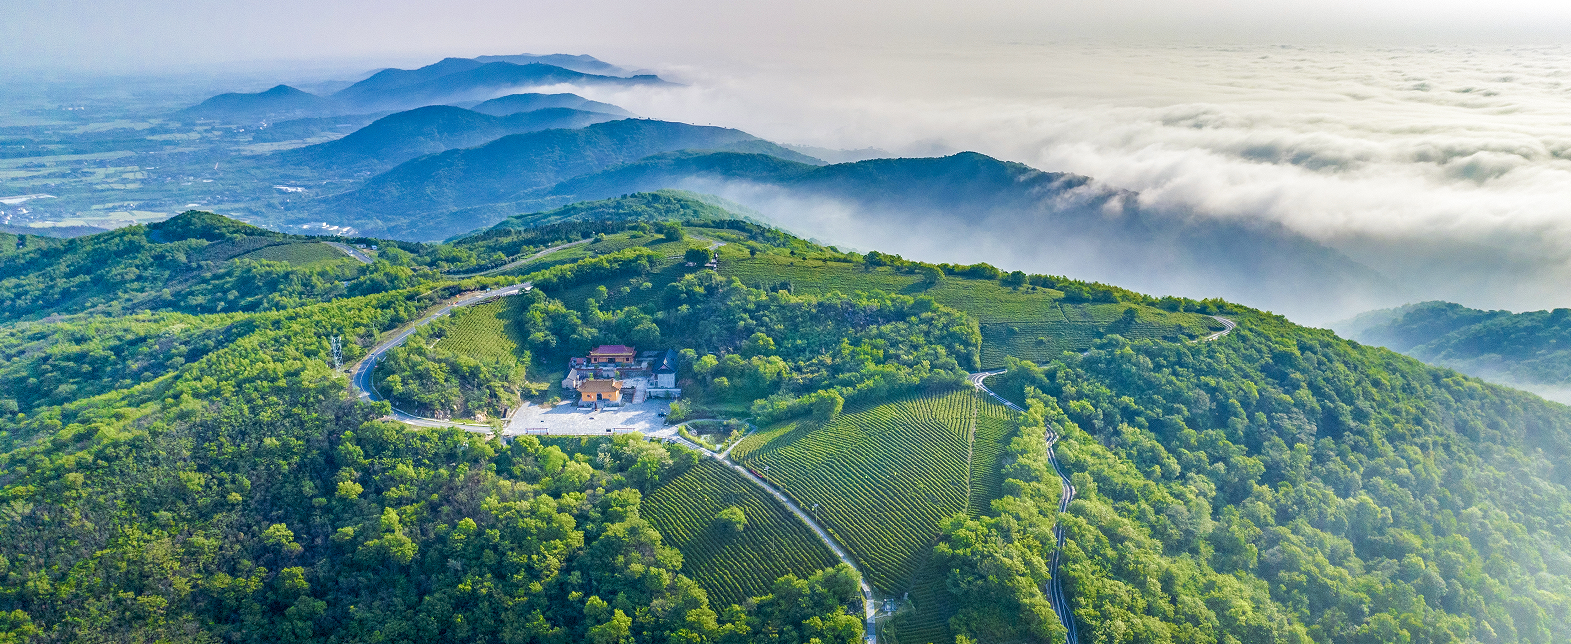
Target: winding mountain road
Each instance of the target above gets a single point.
(351, 251)
(1226, 323)
(360, 372)
(869, 603)
(1055, 590)
(520, 262)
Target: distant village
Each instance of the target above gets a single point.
(613, 374)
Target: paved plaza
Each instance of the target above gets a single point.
(566, 419)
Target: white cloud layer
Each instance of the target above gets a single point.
(1446, 168)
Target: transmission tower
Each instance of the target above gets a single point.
(338, 354)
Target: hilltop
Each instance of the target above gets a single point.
(514, 103)
(195, 262)
(280, 102)
(1062, 222)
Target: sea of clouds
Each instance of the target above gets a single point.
(1446, 169)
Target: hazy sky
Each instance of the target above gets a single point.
(119, 35)
(1445, 168)
(1428, 139)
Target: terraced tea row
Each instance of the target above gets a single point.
(928, 607)
(481, 332)
(730, 565)
(994, 422)
(880, 479)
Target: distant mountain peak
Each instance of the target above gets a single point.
(284, 90)
(449, 80)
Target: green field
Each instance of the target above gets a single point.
(485, 331)
(300, 254)
(883, 477)
(926, 619)
(994, 423)
(732, 566)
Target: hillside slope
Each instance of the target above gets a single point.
(399, 137)
(418, 198)
(1042, 221)
(514, 103)
(1529, 350)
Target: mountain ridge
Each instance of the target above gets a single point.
(446, 81)
(404, 199)
(1529, 350)
(1095, 230)
(402, 136)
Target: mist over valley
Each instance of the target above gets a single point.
(816, 323)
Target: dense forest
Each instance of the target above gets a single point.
(244, 496)
(1354, 493)
(175, 470)
(1528, 348)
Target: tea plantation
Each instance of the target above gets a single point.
(732, 565)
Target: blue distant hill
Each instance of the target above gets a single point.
(448, 81)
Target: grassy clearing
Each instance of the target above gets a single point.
(732, 566)
(301, 254)
(882, 478)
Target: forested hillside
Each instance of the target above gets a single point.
(244, 496)
(174, 470)
(1530, 349)
(1370, 497)
(195, 262)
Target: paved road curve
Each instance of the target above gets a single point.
(521, 262)
(1226, 323)
(351, 251)
(1055, 590)
(869, 604)
(360, 373)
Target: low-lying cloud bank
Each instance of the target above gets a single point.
(1444, 169)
